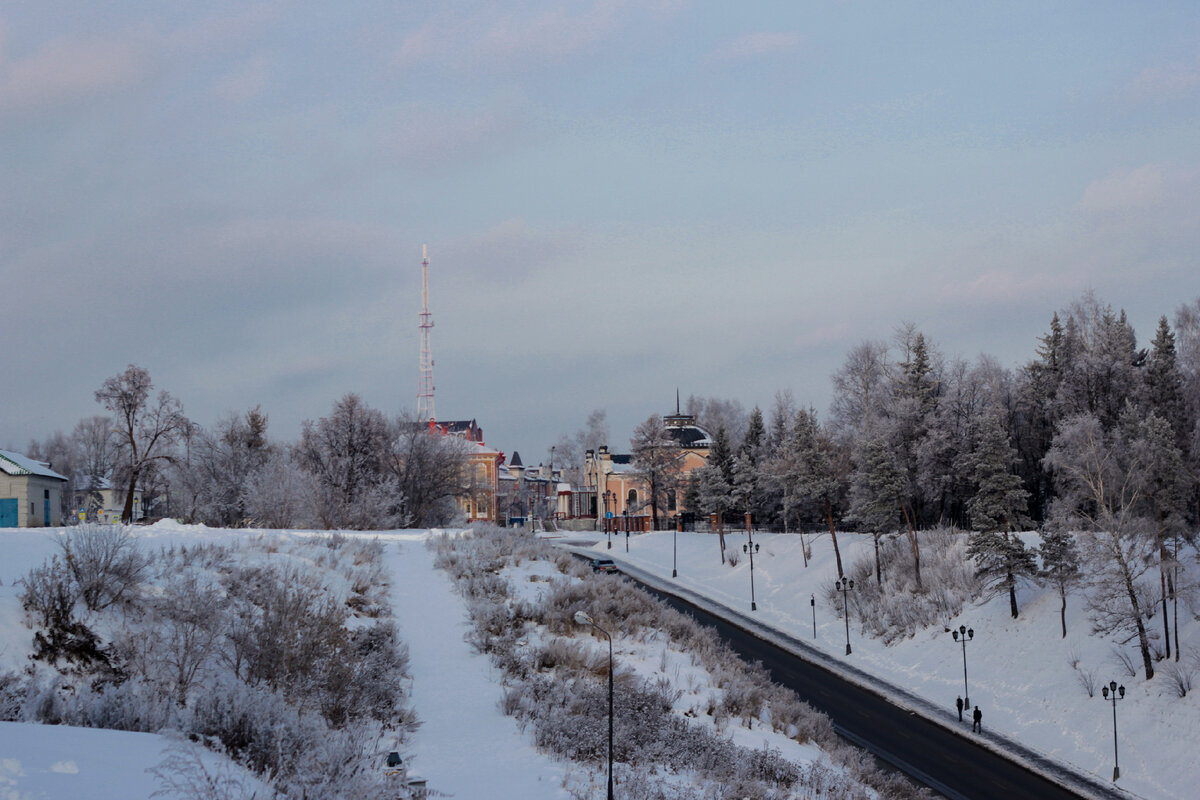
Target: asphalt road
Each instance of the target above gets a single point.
(951, 764)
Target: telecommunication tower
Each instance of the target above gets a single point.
(425, 411)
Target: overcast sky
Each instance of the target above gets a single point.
(619, 198)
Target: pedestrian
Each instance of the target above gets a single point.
(959, 704)
(977, 727)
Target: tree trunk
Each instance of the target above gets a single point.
(837, 554)
(127, 512)
(878, 568)
(913, 544)
(1143, 639)
(1062, 590)
(1163, 556)
(1012, 595)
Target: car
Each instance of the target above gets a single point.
(603, 565)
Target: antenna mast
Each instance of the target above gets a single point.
(425, 411)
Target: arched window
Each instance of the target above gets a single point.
(631, 500)
(672, 503)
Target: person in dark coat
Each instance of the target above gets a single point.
(977, 726)
(959, 704)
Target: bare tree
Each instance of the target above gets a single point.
(1099, 476)
(146, 430)
(656, 456)
(430, 471)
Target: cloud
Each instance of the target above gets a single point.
(1165, 82)
(511, 40)
(66, 70)
(757, 45)
(1125, 190)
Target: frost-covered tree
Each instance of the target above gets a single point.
(1060, 565)
(877, 490)
(1100, 479)
(569, 449)
(996, 509)
(656, 458)
(347, 453)
(146, 429)
(1164, 485)
(803, 472)
(428, 471)
(859, 390)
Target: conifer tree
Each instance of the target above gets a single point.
(996, 510)
(1060, 565)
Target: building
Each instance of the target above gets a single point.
(30, 492)
(478, 501)
(95, 500)
(615, 490)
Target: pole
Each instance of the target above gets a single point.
(610, 714)
(812, 601)
(753, 605)
(845, 613)
(1116, 757)
(675, 544)
(966, 693)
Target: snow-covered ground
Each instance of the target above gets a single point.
(1020, 671)
(465, 745)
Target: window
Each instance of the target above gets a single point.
(672, 503)
(46, 494)
(631, 500)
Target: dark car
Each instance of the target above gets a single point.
(603, 565)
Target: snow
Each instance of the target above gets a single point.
(56, 762)
(465, 746)
(1019, 671)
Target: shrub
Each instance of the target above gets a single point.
(105, 562)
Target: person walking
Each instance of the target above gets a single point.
(977, 726)
(959, 703)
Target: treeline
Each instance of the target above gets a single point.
(353, 469)
(1094, 440)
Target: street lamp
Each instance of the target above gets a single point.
(843, 585)
(1114, 690)
(964, 634)
(675, 544)
(751, 548)
(584, 619)
(812, 601)
(608, 498)
(627, 528)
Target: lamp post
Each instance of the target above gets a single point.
(608, 522)
(583, 619)
(675, 544)
(964, 634)
(843, 585)
(626, 528)
(812, 601)
(1114, 690)
(751, 548)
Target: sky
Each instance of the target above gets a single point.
(620, 199)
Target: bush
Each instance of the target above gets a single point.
(105, 562)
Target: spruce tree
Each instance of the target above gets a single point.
(1060, 565)
(996, 509)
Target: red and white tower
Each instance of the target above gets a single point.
(425, 411)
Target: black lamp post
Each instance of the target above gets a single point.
(751, 548)
(626, 528)
(842, 585)
(964, 635)
(812, 601)
(1114, 690)
(608, 522)
(583, 619)
(675, 544)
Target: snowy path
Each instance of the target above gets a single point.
(465, 746)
